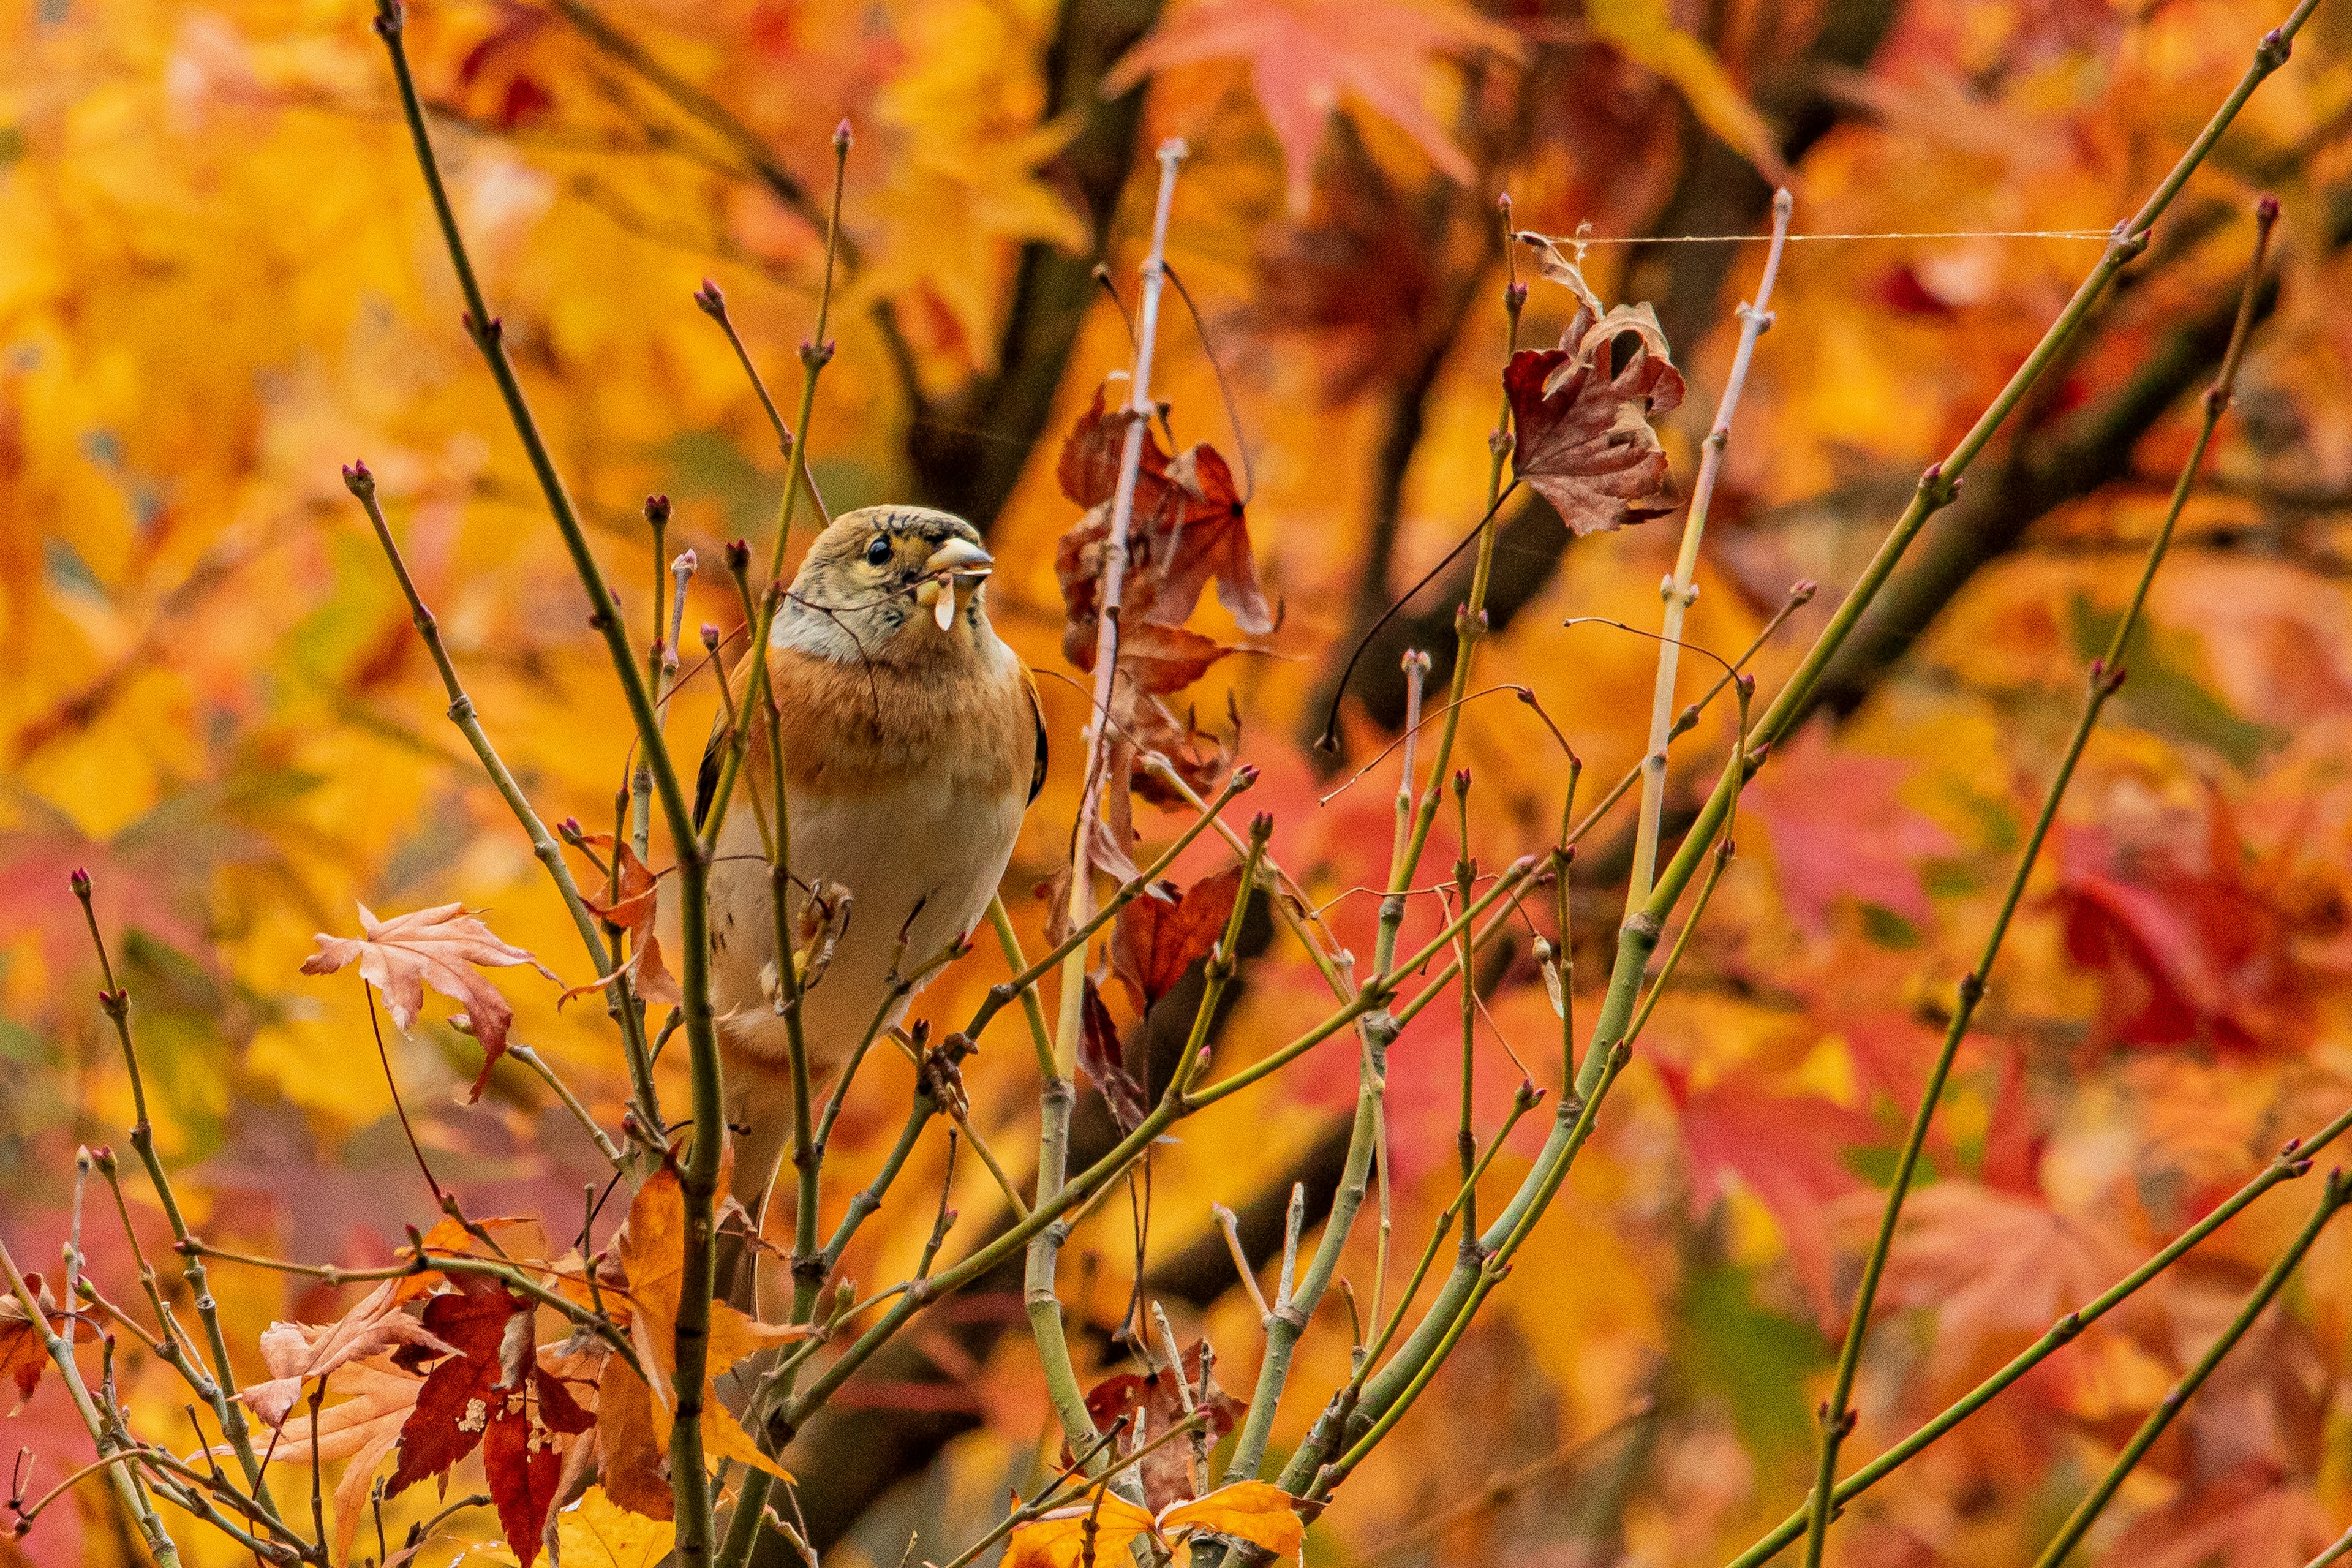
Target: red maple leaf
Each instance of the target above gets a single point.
(1580, 420)
(2182, 933)
(1303, 54)
(1784, 1149)
(492, 1394)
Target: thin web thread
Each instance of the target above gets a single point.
(1572, 241)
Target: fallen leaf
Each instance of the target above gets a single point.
(440, 947)
(597, 1532)
(1582, 421)
(521, 1238)
(1305, 54)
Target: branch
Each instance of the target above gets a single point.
(2106, 675)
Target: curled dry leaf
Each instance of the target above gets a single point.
(373, 1400)
(1581, 418)
(441, 947)
(1187, 528)
(1102, 1059)
(1156, 938)
(632, 911)
(296, 1352)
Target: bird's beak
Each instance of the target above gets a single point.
(958, 563)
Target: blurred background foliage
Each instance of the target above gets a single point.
(219, 281)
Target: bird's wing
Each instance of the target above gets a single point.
(705, 778)
(1037, 716)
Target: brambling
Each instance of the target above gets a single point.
(913, 743)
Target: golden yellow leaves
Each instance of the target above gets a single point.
(1105, 1526)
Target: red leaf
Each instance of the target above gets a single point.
(1783, 1148)
(1186, 529)
(1155, 1403)
(1102, 1059)
(1838, 830)
(491, 1393)
(2188, 944)
(1158, 935)
(1304, 56)
(1582, 421)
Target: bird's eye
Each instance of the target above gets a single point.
(878, 551)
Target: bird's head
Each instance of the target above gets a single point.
(887, 582)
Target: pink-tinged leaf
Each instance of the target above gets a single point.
(1784, 1150)
(1840, 830)
(441, 947)
(1305, 56)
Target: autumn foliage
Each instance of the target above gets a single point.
(1397, 1113)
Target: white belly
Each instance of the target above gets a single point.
(923, 849)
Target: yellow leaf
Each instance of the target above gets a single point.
(1248, 1510)
(597, 1532)
(1059, 1539)
(1643, 31)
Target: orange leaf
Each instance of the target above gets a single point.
(440, 947)
(23, 1349)
(1263, 1515)
(1059, 1539)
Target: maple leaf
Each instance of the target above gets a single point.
(2252, 1518)
(1155, 1404)
(296, 1352)
(1840, 830)
(1995, 1267)
(439, 947)
(1645, 31)
(1159, 935)
(633, 909)
(1352, 279)
(491, 1393)
(1186, 527)
(1582, 421)
(1102, 1527)
(23, 1349)
(1303, 54)
(525, 1242)
(363, 1425)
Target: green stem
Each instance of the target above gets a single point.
(116, 1003)
(2338, 1192)
(2291, 1163)
(61, 1351)
(699, 1174)
(2107, 675)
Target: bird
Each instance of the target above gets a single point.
(913, 743)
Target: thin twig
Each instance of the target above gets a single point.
(2107, 675)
